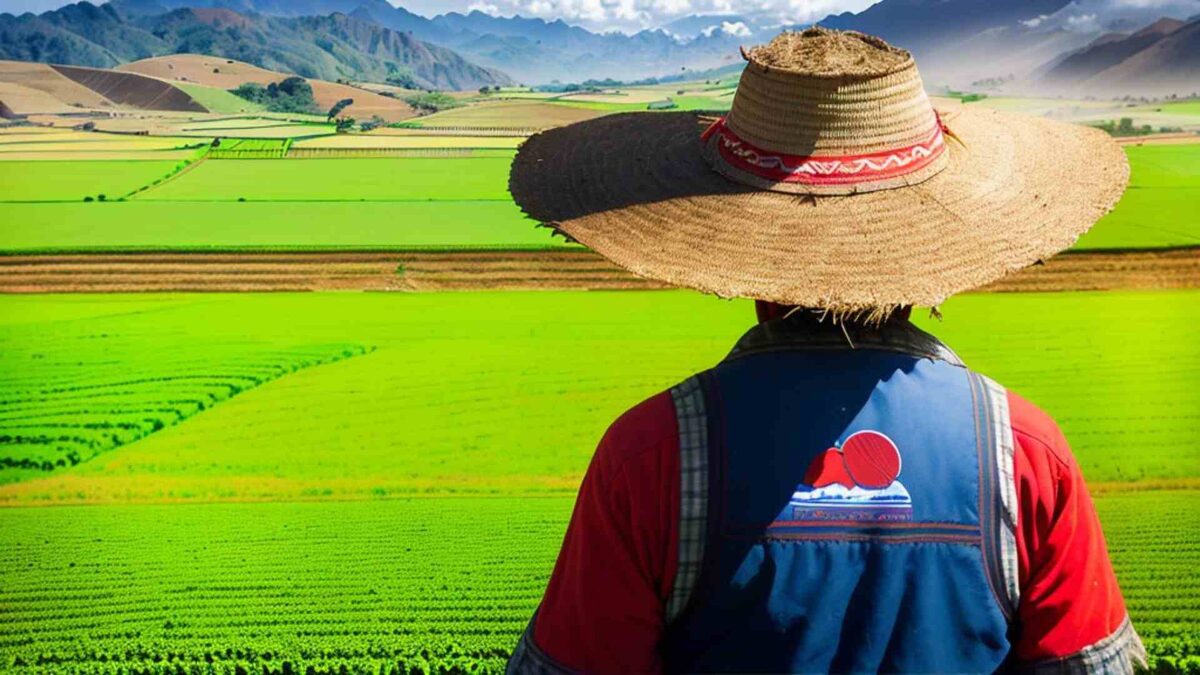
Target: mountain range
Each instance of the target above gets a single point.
(1163, 57)
(530, 50)
(1039, 46)
(329, 47)
(1047, 47)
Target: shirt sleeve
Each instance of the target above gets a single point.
(603, 610)
(1071, 616)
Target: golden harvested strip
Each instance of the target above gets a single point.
(286, 131)
(510, 114)
(480, 270)
(617, 96)
(1181, 138)
(394, 141)
(22, 100)
(92, 142)
(72, 155)
(42, 77)
(22, 130)
(457, 132)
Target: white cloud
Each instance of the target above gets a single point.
(634, 15)
(486, 8)
(735, 28)
(1035, 21)
(1082, 22)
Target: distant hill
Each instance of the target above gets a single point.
(531, 50)
(331, 47)
(1109, 50)
(925, 26)
(1160, 59)
(1056, 47)
(225, 74)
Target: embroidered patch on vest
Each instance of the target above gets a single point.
(857, 480)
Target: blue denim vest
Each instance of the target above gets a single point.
(843, 508)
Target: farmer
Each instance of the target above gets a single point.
(840, 493)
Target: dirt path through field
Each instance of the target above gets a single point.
(490, 270)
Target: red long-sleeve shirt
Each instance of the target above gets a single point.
(603, 610)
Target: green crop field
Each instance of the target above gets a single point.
(377, 140)
(396, 586)
(73, 181)
(218, 100)
(379, 586)
(404, 361)
(372, 586)
(339, 480)
(134, 225)
(403, 179)
(462, 201)
(1161, 206)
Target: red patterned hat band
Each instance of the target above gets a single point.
(741, 161)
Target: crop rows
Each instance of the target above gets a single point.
(250, 148)
(1151, 539)
(420, 585)
(447, 400)
(55, 414)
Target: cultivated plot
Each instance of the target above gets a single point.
(268, 225)
(444, 400)
(40, 143)
(219, 100)
(439, 584)
(411, 141)
(402, 179)
(509, 114)
(73, 181)
(1161, 206)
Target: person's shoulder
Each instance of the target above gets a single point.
(1036, 432)
(648, 427)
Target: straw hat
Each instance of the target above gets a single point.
(831, 183)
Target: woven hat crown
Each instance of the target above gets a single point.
(838, 104)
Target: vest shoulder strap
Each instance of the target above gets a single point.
(999, 518)
(692, 416)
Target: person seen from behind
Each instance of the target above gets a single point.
(841, 493)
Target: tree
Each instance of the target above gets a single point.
(374, 123)
(338, 108)
(293, 94)
(344, 124)
(431, 102)
(401, 76)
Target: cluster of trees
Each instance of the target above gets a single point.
(293, 95)
(557, 87)
(404, 80)
(431, 101)
(1125, 127)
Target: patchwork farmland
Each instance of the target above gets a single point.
(348, 482)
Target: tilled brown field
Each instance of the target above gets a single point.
(132, 89)
(490, 270)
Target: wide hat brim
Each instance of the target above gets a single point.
(637, 189)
